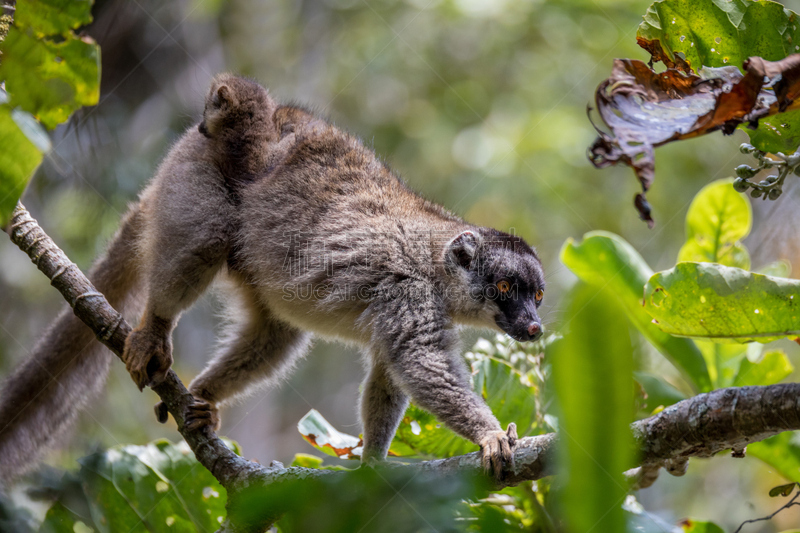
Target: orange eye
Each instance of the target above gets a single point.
(539, 295)
(503, 286)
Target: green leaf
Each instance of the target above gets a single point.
(604, 259)
(307, 461)
(18, 159)
(771, 369)
(776, 269)
(778, 133)
(723, 361)
(59, 519)
(50, 79)
(659, 392)
(718, 218)
(53, 17)
(723, 304)
(782, 490)
(158, 487)
(781, 452)
(592, 376)
(323, 436)
(501, 375)
(721, 33)
(725, 33)
(694, 526)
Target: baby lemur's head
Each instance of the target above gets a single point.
(237, 108)
(503, 277)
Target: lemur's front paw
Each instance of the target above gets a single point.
(497, 450)
(201, 413)
(147, 357)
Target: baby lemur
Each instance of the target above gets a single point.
(315, 235)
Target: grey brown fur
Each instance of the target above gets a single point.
(314, 235)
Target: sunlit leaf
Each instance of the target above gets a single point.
(50, 79)
(307, 461)
(606, 260)
(53, 17)
(718, 33)
(773, 367)
(592, 375)
(19, 157)
(724, 304)
(718, 219)
(326, 438)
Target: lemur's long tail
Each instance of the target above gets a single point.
(67, 369)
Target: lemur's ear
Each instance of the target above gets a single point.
(222, 96)
(461, 250)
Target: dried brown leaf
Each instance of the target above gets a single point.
(645, 109)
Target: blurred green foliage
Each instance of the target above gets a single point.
(592, 376)
(157, 487)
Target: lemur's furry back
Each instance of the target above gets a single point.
(317, 236)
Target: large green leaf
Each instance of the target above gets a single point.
(19, 156)
(606, 260)
(50, 79)
(772, 368)
(722, 33)
(593, 379)
(782, 452)
(53, 17)
(724, 304)
(158, 487)
(718, 218)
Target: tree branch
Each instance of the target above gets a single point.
(698, 427)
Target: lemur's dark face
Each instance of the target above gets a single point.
(506, 272)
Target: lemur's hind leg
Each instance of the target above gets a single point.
(256, 349)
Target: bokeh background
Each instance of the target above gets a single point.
(479, 104)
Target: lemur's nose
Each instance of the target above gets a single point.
(534, 328)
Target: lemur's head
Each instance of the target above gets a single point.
(504, 279)
(236, 105)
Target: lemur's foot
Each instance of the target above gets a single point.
(497, 450)
(201, 413)
(162, 415)
(147, 356)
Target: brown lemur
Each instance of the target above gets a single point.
(315, 235)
